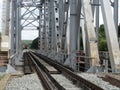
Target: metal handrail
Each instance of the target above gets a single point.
(12, 59)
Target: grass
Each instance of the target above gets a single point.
(2, 77)
(26, 41)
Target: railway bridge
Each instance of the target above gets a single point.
(60, 24)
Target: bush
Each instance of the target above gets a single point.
(102, 39)
(34, 44)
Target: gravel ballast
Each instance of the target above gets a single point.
(66, 83)
(98, 81)
(26, 82)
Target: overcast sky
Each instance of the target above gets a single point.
(0, 12)
(30, 35)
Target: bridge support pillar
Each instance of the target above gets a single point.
(91, 40)
(111, 35)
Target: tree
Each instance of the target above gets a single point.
(34, 44)
(102, 39)
(0, 36)
(119, 31)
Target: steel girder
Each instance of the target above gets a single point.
(55, 33)
(111, 35)
(91, 40)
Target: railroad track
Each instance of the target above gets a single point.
(48, 82)
(113, 79)
(28, 67)
(78, 81)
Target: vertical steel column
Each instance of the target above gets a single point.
(83, 28)
(78, 23)
(53, 25)
(116, 14)
(65, 12)
(73, 25)
(44, 26)
(18, 32)
(12, 31)
(50, 26)
(20, 29)
(40, 41)
(112, 40)
(73, 31)
(17, 26)
(61, 20)
(58, 31)
(47, 25)
(83, 35)
(41, 29)
(97, 18)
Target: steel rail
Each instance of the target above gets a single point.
(48, 82)
(57, 85)
(28, 63)
(112, 80)
(45, 80)
(70, 73)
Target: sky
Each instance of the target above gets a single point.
(32, 34)
(26, 35)
(0, 13)
(29, 35)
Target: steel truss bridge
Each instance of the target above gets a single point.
(60, 24)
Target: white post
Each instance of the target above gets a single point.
(90, 34)
(111, 35)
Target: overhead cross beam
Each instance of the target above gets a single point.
(58, 23)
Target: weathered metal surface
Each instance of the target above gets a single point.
(111, 35)
(91, 39)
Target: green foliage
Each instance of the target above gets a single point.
(0, 34)
(27, 42)
(102, 32)
(119, 30)
(81, 39)
(34, 44)
(2, 76)
(102, 39)
(103, 45)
